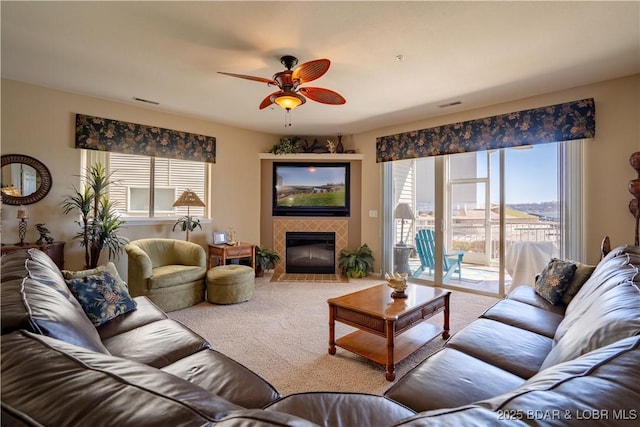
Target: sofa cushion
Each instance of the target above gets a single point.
(465, 416)
(225, 377)
(157, 344)
(342, 409)
(603, 382)
(41, 301)
(145, 313)
(515, 350)
(554, 279)
(170, 275)
(524, 316)
(616, 315)
(61, 384)
(101, 296)
(617, 267)
(451, 378)
(258, 417)
(528, 295)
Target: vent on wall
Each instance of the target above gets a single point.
(146, 101)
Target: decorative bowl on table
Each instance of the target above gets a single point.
(397, 282)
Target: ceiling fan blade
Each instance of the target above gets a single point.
(324, 96)
(267, 101)
(255, 79)
(311, 70)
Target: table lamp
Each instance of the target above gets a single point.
(404, 212)
(188, 199)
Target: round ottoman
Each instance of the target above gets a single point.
(229, 284)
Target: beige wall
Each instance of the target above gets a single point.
(40, 122)
(607, 170)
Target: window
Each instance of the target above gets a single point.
(134, 177)
(482, 204)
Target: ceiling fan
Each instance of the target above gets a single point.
(288, 81)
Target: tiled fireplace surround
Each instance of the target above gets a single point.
(283, 225)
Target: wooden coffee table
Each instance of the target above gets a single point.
(389, 329)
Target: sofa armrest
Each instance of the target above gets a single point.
(140, 269)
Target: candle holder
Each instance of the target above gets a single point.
(22, 231)
(22, 225)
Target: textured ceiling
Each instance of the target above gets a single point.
(478, 53)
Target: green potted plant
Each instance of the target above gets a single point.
(357, 263)
(265, 259)
(285, 146)
(99, 221)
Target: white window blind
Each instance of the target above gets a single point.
(132, 180)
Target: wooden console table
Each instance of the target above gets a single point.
(224, 252)
(55, 250)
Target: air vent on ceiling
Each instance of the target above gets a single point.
(146, 101)
(451, 104)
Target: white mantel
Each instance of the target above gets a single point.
(311, 156)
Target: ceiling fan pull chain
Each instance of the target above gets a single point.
(287, 118)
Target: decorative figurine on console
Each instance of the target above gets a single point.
(232, 237)
(44, 237)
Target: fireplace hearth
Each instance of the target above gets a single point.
(310, 252)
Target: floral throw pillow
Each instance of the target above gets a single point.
(554, 280)
(101, 296)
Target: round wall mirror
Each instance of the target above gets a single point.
(25, 180)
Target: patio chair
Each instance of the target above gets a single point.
(426, 249)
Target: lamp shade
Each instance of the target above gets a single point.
(288, 100)
(189, 198)
(403, 211)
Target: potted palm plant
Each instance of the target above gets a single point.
(99, 222)
(356, 263)
(265, 259)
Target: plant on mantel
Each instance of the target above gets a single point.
(285, 146)
(296, 144)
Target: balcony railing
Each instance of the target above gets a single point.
(472, 238)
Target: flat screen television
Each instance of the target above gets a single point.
(311, 189)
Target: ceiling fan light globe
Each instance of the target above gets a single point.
(288, 101)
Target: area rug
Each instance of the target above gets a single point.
(282, 334)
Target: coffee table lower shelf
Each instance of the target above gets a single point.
(374, 347)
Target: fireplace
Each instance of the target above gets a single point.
(310, 252)
(283, 225)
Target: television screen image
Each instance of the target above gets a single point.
(320, 189)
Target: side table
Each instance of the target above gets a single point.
(55, 250)
(224, 252)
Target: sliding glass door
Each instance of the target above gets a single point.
(481, 220)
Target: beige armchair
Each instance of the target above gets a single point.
(169, 272)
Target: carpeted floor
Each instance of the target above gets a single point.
(282, 334)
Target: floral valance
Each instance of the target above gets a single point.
(97, 133)
(554, 123)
